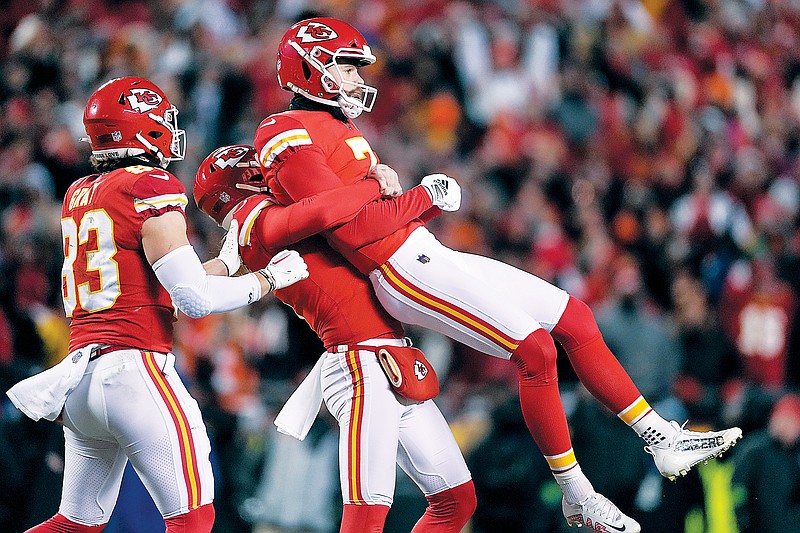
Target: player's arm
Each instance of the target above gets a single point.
(381, 218)
(309, 216)
(217, 267)
(179, 270)
(430, 214)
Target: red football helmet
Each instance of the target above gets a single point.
(312, 46)
(131, 116)
(226, 177)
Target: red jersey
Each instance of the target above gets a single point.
(336, 301)
(758, 320)
(109, 289)
(303, 153)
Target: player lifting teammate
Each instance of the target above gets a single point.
(493, 307)
(377, 427)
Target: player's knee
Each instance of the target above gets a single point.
(535, 358)
(465, 502)
(363, 518)
(61, 524)
(577, 325)
(199, 520)
(468, 501)
(454, 506)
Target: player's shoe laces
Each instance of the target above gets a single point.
(677, 456)
(597, 513)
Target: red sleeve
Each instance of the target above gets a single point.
(309, 216)
(305, 174)
(156, 192)
(381, 218)
(430, 214)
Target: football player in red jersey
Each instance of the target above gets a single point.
(377, 427)
(127, 265)
(488, 305)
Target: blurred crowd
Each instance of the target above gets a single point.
(641, 154)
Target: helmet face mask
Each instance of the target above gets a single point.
(308, 52)
(226, 177)
(352, 103)
(128, 117)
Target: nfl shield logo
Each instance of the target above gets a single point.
(117, 136)
(424, 259)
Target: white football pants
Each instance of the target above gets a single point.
(132, 405)
(481, 302)
(378, 428)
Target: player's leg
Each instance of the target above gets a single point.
(161, 430)
(573, 325)
(448, 511)
(358, 395)
(569, 321)
(61, 524)
(430, 456)
(424, 283)
(675, 449)
(92, 477)
(427, 284)
(93, 461)
(199, 519)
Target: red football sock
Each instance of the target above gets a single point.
(448, 511)
(363, 518)
(199, 520)
(61, 524)
(535, 358)
(595, 365)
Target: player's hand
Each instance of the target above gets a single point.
(229, 252)
(445, 191)
(387, 178)
(286, 267)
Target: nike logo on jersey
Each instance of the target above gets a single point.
(160, 176)
(269, 122)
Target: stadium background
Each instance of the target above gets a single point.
(641, 154)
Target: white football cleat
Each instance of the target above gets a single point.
(675, 457)
(597, 513)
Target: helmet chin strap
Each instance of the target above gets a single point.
(350, 109)
(163, 162)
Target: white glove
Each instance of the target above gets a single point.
(229, 252)
(445, 191)
(286, 267)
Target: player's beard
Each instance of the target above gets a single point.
(357, 93)
(349, 108)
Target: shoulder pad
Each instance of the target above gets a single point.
(278, 133)
(246, 214)
(155, 188)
